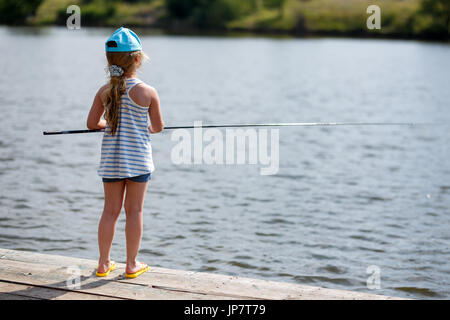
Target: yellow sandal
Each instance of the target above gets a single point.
(137, 273)
(104, 274)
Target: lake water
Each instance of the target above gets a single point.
(345, 198)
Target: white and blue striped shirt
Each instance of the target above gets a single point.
(127, 153)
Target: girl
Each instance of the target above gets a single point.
(126, 156)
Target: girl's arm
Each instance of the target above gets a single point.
(154, 111)
(94, 120)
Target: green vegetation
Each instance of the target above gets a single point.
(400, 18)
(438, 14)
(17, 11)
(208, 13)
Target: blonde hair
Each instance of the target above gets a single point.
(126, 61)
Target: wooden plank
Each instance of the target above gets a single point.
(202, 283)
(57, 260)
(21, 291)
(47, 259)
(247, 288)
(56, 277)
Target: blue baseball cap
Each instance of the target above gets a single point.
(123, 40)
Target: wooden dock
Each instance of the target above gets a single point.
(30, 275)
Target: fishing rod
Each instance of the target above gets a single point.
(243, 125)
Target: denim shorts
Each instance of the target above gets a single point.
(141, 178)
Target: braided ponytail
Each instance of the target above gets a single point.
(120, 65)
(112, 107)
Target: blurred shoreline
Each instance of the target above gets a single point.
(43, 29)
(400, 19)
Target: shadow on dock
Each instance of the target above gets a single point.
(61, 289)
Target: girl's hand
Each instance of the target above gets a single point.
(151, 130)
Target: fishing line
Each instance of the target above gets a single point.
(243, 125)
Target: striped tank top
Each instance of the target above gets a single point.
(128, 152)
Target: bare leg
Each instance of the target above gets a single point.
(134, 203)
(107, 226)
